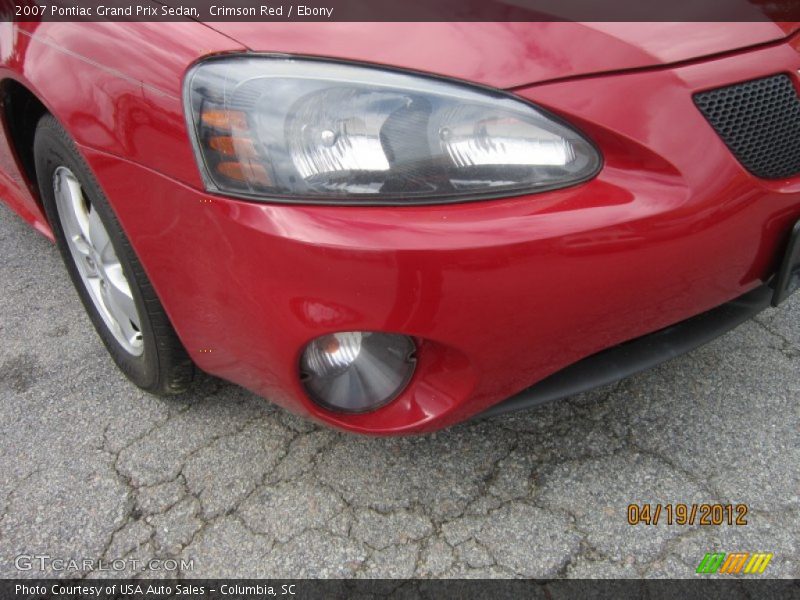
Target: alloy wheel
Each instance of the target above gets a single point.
(97, 262)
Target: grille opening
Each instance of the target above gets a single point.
(759, 121)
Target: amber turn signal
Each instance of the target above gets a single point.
(244, 172)
(230, 146)
(225, 120)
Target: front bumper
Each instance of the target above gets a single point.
(646, 352)
(500, 294)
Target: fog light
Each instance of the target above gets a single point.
(357, 371)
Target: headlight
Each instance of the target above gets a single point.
(306, 130)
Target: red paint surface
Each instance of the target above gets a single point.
(499, 293)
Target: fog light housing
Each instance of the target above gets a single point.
(357, 371)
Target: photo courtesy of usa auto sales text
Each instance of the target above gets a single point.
(110, 590)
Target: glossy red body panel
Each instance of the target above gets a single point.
(500, 293)
(507, 55)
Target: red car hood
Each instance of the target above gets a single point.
(507, 54)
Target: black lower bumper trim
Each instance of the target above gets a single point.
(638, 355)
(787, 279)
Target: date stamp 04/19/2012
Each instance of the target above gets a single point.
(687, 514)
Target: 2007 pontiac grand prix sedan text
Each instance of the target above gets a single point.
(394, 227)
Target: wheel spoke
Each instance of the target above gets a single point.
(66, 207)
(98, 237)
(78, 204)
(96, 289)
(115, 301)
(120, 293)
(80, 244)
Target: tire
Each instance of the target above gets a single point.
(110, 280)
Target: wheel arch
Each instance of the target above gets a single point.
(20, 111)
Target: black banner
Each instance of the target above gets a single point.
(220, 589)
(405, 10)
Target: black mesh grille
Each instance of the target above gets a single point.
(759, 120)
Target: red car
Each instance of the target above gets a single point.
(394, 227)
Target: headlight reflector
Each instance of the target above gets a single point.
(357, 371)
(307, 130)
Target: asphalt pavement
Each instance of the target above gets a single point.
(219, 479)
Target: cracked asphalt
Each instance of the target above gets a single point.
(91, 467)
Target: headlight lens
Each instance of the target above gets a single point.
(357, 371)
(317, 131)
